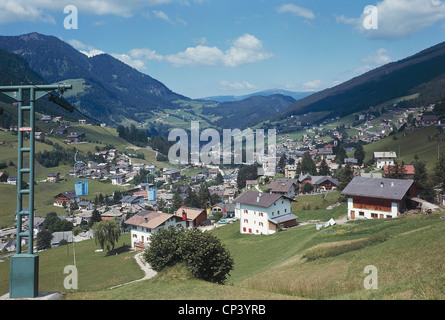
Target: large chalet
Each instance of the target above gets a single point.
(263, 213)
(377, 198)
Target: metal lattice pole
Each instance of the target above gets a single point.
(23, 282)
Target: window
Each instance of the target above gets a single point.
(250, 230)
(278, 212)
(285, 210)
(361, 213)
(374, 215)
(260, 224)
(244, 229)
(246, 211)
(246, 221)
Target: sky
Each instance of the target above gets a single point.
(201, 48)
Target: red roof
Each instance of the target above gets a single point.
(409, 169)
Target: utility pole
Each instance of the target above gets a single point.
(24, 268)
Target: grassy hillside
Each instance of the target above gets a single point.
(424, 142)
(408, 255)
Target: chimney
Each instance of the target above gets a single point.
(381, 184)
(259, 197)
(392, 183)
(146, 219)
(184, 215)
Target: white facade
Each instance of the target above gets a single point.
(255, 219)
(142, 234)
(358, 213)
(384, 159)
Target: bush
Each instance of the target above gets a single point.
(203, 254)
(338, 250)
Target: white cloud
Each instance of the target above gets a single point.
(378, 58)
(89, 51)
(296, 10)
(20, 10)
(162, 15)
(398, 19)
(92, 52)
(244, 85)
(373, 60)
(145, 53)
(312, 85)
(125, 58)
(246, 49)
(39, 10)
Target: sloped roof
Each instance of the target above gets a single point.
(148, 219)
(283, 218)
(393, 189)
(386, 154)
(276, 186)
(409, 169)
(265, 199)
(192, 213)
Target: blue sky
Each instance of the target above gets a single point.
(202, 48)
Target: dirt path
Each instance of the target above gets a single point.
(149, 272)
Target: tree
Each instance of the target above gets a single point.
(191, 200)
(307, 187)
(44, 238)
(176, 201)
(396, 171)
(201, 252)
(95, 217)
(439, 173)
(421, 177)
(53, 223)
(282, 163)
(359, 154)
(203, 196)
(324, 168)
(219, 178)
(246, 173)
(164, 248)
(420, 173)
(205, 256)
(341, 155)
(346, 176)
(307, 164)
(107, 234)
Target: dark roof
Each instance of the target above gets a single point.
(265, 199)
(283, 218)
(69, 194)
(322, 179)
(276, 186)
(394, 189)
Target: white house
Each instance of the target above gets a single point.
(145, 223)
(263, 213)
(384, 159)
(379, 198)
(118, 179)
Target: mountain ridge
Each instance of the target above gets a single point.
(57, 61)
(376, 86)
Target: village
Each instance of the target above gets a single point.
(262, 205)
